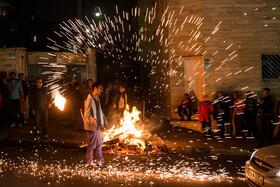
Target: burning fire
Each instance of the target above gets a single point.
(59, 101)
(127, 132)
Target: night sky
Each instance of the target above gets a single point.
(29, 18)
(28, 23)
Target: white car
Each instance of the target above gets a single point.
(263, 168)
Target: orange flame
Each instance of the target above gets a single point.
(59, 101)
(127, 132)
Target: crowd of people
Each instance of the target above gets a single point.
(114, 100)
(18, 100)
(237, 117)
(91, 109)
(13, 100)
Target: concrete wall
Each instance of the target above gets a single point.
(13, 59)
(55, 57)
(234, 34)
(18, 60)
(182, 52)
(183, 27)
(248, 26)
(39, 63)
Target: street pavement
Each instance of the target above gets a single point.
(177, 139)
(44, 165)
(192, 160)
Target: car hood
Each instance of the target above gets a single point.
(269, 154)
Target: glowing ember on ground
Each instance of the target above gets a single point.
(59, 101)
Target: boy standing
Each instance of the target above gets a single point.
(94, 120)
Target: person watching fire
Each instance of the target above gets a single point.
(185, 107)
(205, 110)
(121, 101)
(39, 105)
(94, 120)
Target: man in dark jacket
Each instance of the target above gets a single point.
(219, 113)
(251, 111)
(266, 105)
(39, 104)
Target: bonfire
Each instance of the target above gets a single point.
(128, 139)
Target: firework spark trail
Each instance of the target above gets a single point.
(108, 38)
(113, 37)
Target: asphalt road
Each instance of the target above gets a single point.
(49, 165)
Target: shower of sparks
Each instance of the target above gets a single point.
(115, 39)
(185, 169)
(156, 46)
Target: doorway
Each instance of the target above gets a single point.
(194, 79)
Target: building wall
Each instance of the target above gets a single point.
(40, 63)
(234, 34)
(55, 57)
(183, 27)
(36, 60)
(13, 59)
(183, 51)
(248, 26)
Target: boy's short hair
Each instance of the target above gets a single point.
(39, 78)
(266, 89)
(96, 85)
(122, 85)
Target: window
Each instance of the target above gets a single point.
(270, 67)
